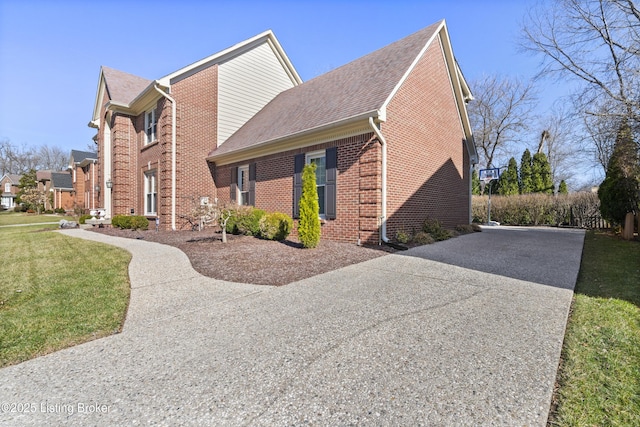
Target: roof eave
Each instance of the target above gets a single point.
(342, 128)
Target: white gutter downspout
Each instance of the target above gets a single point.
(383, 146)
(173, 155)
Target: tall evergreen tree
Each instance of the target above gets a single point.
(309, 224)
(475, 183)
(526, 182)
(618, 192)
(541, 174)
(508, 181)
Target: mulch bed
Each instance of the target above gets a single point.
(247, 259)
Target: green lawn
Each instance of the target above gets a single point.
(13, 218)
(599, 378)
(57, 291)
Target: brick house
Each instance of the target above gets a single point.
(61, 190)
(389, 133)
(154, 135)
(57, 189)
(83, 166)
(9, 185)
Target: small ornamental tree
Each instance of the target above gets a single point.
(29, 194)
(309, 223)
(509, 179)
(526, 178)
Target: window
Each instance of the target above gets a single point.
(150, 193)
(326, 162)
(150, 126)
(243, 185)
(320, 160)
(7, 187)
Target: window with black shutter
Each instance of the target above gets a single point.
(326, 177)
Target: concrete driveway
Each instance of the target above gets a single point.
(463, 332)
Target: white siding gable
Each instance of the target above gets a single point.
(246, 83)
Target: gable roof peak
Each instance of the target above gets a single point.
(123, 87)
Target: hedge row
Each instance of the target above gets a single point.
(538, 209)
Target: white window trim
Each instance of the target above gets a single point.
(150, 125)
(151, 175)
(307, 160)
(243, 168)
(7, 187)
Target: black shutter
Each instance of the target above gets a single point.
(233, 188)
(330, 184)
(252, 184)
(298, 165)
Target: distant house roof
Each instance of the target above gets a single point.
(355, 91)
(43, 175)
(78, 156)
(61, 181)
(13, 178)
(81, 158)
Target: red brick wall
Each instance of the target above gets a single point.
(358, 187)
(124, 155)
(196, 98)
(428, 165)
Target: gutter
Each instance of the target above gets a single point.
(173, 153)
(383, 216)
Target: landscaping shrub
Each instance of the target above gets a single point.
(48, 211)
(134, 222)
(309, 224)
(402, 237)
(275, 226)
(19, 208)
(60, 211)
(245, 220)
(464, 228)
(121, 221)
(83, 219)
(423, 238)
(435, 229)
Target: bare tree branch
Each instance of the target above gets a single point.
(500, 114)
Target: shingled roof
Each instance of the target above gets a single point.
(355, 89)
(123, 87)
(78, 156)
(61, 181)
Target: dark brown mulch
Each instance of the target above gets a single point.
(248, 259)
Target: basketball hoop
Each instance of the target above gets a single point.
(486, 176)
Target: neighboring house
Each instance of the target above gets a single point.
(84, 176)
(389, 133)
(62, 190)
(154, 135)
(9, 184)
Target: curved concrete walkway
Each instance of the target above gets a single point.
(446, 334)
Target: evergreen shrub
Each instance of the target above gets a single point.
(309, 224)
(134, 222)
(275, 226)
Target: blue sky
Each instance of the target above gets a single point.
(51, 51)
